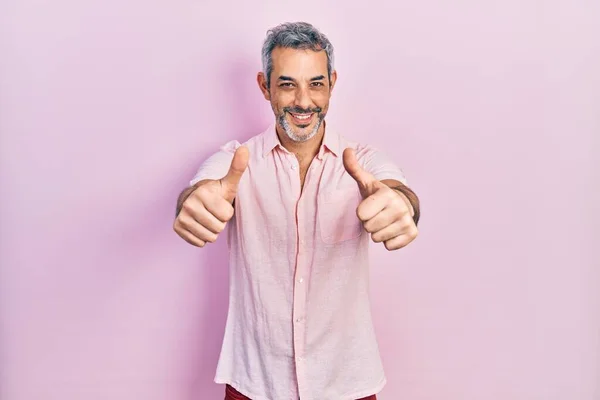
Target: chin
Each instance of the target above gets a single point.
(302, 130)
(299, 132)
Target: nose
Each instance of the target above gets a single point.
(303, 99)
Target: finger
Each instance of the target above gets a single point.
(372, 205)
(219, 209)
(394, 229)
(195, 208)
(384, 218)
(191, 239)
(198, 230)
(187, 235)
(402, 240)
(209, 220)
(398, 242)
(236, 170)
(362, 177)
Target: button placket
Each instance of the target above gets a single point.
(299, 306)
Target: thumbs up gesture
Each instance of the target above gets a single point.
(208, 207)
(385, 212)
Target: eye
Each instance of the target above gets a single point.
(318, 84)
(286, 84)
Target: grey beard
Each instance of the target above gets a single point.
(290, 132)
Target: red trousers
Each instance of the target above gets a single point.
(232, 394)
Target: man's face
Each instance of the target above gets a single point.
(299, 92)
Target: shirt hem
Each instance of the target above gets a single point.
(240, 388)
(365, 393)
(353, 396)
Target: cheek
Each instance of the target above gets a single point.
(321, 100)
(280, 100)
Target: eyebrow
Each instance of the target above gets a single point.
(289, 78)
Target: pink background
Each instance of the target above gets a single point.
(491, 108)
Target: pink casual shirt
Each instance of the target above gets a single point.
(299, 321)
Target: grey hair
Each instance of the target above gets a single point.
(295, 35)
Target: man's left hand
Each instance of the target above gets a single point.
(386, 213)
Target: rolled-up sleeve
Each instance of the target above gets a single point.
(217, 165)
(379, 164)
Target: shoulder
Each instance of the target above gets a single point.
(364, 152)
(374, 160)
(254, 144)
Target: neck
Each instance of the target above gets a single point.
(303, 150)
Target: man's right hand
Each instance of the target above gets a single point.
(208, 207)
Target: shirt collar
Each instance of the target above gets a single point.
(270, 140)
(331, 141)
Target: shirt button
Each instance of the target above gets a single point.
(293, 166)
(301, 280)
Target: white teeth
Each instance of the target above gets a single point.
(299, 116)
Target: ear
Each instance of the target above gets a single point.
(333, 80)
(262, 85)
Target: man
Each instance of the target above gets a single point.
(300, 202)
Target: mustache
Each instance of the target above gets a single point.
(299, 110)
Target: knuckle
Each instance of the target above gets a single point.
(211, 238)
(360, 214)
(200, 190)
(220, 227)
(179, 229)
(401, 207)
(228, 213)
(179, 224)
(187, 206)
(412, 231)
(185, 221)
(199, 195)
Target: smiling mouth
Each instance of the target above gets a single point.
(302, 118)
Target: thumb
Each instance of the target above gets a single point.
(362, 177)
(229, 182)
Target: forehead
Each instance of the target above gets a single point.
(299, 62)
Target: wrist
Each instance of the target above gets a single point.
(411, 199)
